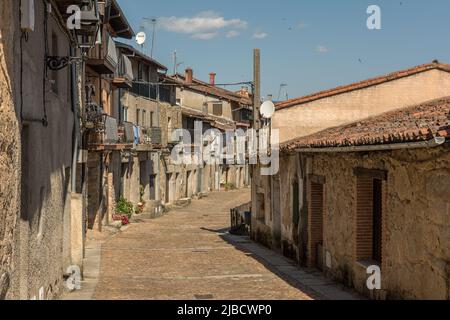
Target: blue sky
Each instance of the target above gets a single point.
(309, 45)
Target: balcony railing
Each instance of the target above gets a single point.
(123, 77)
(152, 135)
(149, 139)
(127, 132)
(145, 90)
(103, 57)
(107, 135)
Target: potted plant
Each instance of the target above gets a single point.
(124, 210)
(229, 186)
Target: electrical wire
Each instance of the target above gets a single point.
(193, 84)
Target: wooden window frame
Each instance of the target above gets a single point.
(217, 107)
(364, 215)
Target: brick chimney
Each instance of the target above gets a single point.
(212, 78)
(189, 75)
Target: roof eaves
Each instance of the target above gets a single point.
(362, 84)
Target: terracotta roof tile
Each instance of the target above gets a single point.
(413, 124)
(363, 84)
(204, 87)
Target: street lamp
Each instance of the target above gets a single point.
(85, 36)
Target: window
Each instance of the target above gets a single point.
(144, 117)
(125, 113)
(217, 109)
(151, 119)
(369, 214)
(138, 112)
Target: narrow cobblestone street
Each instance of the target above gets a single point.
(183, 255)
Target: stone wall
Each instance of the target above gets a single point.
(416, 241)
(203, 102)
(42, 234)
(10, 145)
(134, 102)
(416, 249)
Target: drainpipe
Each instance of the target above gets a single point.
(158, 102)
(76, 128)
(433, 143)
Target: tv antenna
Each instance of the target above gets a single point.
(176, 64)
(153, 22)
(282, 86)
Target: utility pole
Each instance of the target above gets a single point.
(253, 168)
(175, 62)
(256, 87)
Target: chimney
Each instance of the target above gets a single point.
(189, 75)
(212, 79)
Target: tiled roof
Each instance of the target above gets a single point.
(220, 122)
(363, 84)
(204, 87)
(119, 21)
(413, 124)
(192, 112)
(133, 51)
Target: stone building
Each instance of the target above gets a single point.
(376, 193)
(349, 103)
(365, 191)
(145, 106)
(219, 109)
(103, 139)
(39, 105)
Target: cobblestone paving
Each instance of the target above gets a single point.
(185, 255)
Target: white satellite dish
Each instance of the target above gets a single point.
(140, 38)
(267, 109)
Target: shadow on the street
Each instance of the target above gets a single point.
(225, 236)
(218, 231)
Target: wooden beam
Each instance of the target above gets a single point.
(115, 16)
(373, 173)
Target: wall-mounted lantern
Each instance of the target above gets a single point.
(85, 34)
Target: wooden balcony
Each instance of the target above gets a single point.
(149, 139)
(103, 58)
(107, 136)
(123, 77)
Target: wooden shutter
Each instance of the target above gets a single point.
(316, 216)
(364, 221)
(369, 214)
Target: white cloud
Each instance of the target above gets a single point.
(322, 49)
(260, 35)
(233, 34)
(204, 25)
(205, 36)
